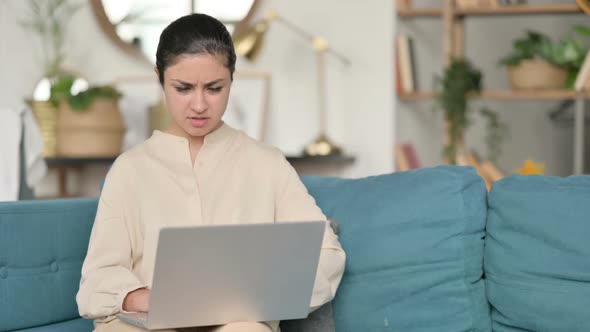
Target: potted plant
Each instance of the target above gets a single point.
(89, 123)
(459, 82)
(48, 20)
(537, 62)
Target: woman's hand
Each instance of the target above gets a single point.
(137, 301)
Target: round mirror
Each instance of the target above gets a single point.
(135, 25)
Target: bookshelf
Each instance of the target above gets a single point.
(453, 36)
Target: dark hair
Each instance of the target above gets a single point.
(194, 34)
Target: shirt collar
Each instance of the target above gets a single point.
(215, 137)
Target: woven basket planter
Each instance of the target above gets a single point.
(537, 75)
(95, 132)
(46, 116)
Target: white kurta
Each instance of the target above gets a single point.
(234, 180)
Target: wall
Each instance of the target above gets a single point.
(359, 96)
(532, 133)
(359, 99)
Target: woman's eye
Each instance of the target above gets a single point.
(215, 89)
(181, 89)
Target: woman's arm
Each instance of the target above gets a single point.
(293, 203)
(106, 273)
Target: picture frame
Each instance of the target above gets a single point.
(249, 101)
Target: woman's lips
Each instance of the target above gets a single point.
(199, 122)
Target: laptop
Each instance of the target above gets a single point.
(219, 274)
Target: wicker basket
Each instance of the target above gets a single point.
(46, 116)
(537, 75)
(95, 132)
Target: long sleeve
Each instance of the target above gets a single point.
(295, 204)
(106, 273)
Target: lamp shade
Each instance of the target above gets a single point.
(585, 5)
(250, 42)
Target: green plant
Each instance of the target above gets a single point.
(49, 19)
(497, 132)
(61, 91)
(567, 53)
(459, 81)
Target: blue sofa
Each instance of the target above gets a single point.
(428, 250)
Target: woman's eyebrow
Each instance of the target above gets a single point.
(183, 82)
(214, 82)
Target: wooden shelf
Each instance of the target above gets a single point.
(507, 95)
(533, 95)
(419, 12)
(416, 96)
(502, 10)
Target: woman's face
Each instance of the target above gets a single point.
(197, 90)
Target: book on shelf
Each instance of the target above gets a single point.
(405, 157)
(583, 79)
(405, 67)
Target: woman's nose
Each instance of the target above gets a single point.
(199, 102)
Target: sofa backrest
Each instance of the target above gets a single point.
(414, 245)
(537, 257)
(42, 248)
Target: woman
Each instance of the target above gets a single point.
(199, 171)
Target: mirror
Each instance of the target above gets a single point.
(135, 25)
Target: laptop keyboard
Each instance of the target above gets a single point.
(140, 317)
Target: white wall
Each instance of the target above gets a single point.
(359, 98)
(532, 134)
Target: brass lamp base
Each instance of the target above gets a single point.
(322, 146)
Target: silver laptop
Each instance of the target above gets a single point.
(214, 275)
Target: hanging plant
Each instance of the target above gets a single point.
(497, 132)
(459, 81)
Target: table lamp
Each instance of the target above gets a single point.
(249, 43)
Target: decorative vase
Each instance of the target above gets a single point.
(537, 75)
(95, 132)
(46, 116)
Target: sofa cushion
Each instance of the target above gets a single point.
(74, 325)
(414, 244)
(537, 257)
(42, 247)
